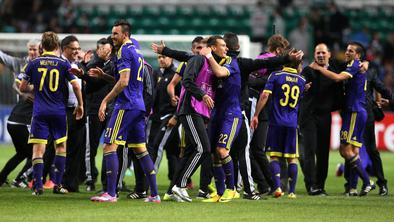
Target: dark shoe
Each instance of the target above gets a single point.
(38, 192)
(203, 195)
(90, 187)
(135, 195)
(383, 191)
(58, 189)
(365, 190)
(251, 196)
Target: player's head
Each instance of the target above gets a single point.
(71, 48)
(322, 54)
(354, 50)
(121, 31)
(277, 44)
(49, 41)
(104, 48)
(197, 44)
(218, 45)
(295, 64)
(232, 41)
(164, 61)
(33, 47)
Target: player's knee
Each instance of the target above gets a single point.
(222, 152)
(110, 148)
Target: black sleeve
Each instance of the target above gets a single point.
(257, 82)
(379, 86)
(192, 70)
(248, 65)
(181, 56)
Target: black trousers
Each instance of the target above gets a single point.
(19, 135)
(240, 153)
(197, 149)
(373, 153)
(75, 152)
(314, 149)
(165, 139)
(260, 165)
(94, 130)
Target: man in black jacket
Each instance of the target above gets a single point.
(315, 121)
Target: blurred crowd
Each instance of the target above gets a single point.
(325, 22)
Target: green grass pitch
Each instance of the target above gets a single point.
(20, 205)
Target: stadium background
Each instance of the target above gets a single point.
(303, 22)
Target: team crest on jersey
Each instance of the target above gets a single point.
(120, 137)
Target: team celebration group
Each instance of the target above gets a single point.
(245, 122)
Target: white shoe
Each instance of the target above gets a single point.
(182, 193)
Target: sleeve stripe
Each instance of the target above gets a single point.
(124, 70)
(228, 72)
(73, 80)
(346, 73)
(267, 91)
(18, 81)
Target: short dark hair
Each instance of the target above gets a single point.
(359, 48)
(49, 41)
(67, 40)
(125, 25)
(197, 39)
(102, 41)
(232, 41)
(292, 63)
(213, 39)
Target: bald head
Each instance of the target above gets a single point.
(322, 54)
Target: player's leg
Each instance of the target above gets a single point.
(38, 137)
(136, 141)
(293, 173)
(275, 150)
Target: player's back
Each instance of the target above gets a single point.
(286, 87)
(48, 74)
(129, 59)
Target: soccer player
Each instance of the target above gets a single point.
(225, 125)
(48, 74)
(196, 103)
(354, 114)
(286, 87)
(127, 122)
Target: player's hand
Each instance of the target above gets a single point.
(88, 56)
(76, 71)
(254, 122)
(28, 97)
(307, 86)
(174, 100)
(364, 66)
(96, 72)
(314, 66)
(296, 55)
(158, 48)
(383, 102)
(208, 101)
(78, 112)
(101, 113)
(205, 51)
(172, 122)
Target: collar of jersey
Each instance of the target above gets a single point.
(48, 53)
(288, 69)
(128, 41)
